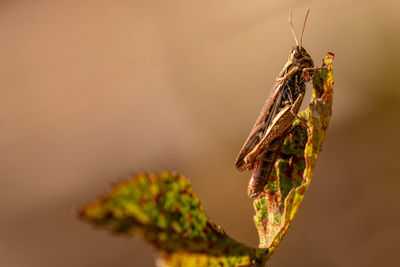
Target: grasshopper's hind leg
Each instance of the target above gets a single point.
(262, 169)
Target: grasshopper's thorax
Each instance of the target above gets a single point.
(299, 57)
(298, 60)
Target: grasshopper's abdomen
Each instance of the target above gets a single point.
(263, 168)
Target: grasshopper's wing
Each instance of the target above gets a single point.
(261, 125)
(278, 127)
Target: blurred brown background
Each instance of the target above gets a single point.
(91, 91)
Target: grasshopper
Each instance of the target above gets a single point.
(262, 147)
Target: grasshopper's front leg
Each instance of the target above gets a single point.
(307, 70)
(278, 127)
(288, 75)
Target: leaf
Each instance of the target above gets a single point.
(293, 169)
(165, 211)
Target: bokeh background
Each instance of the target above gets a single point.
(92, 91)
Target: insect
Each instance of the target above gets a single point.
(262, 146)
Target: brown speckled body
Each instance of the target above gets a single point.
(260, 150)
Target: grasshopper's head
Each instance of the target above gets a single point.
(298, 56)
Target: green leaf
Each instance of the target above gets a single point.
(164, 210)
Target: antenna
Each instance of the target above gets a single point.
(304, 25)
(291, 26)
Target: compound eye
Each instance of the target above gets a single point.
(297, 54)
